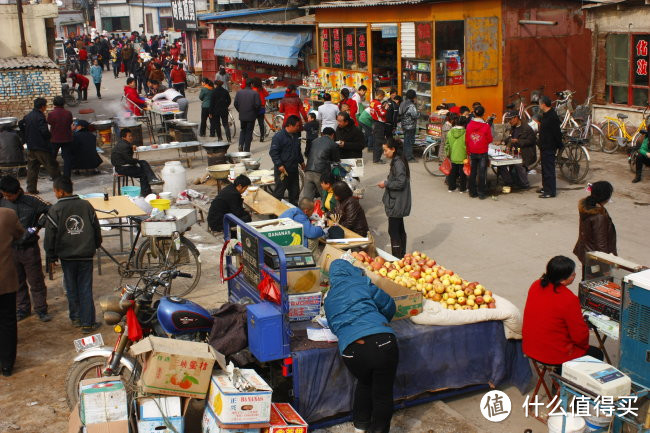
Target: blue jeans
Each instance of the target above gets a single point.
(409, 142)
(78, 281)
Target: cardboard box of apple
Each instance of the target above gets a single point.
(420, 273)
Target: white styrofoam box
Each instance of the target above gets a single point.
(357, 167)
(185, 218)
(209, 424)
(153, 411)
(102, 400)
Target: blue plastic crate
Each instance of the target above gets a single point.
(265, 331)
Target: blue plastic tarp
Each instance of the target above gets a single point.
(431, 358)
(275, 48)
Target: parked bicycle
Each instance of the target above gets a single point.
(521, 107)
(431, 158)
(573, 159)
(70, 95)
(232, 124)
(617, 134)
(589, 131)
(273, 120)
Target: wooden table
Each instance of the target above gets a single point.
(140, 153)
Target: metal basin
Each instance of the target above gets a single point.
(236, 157)
(219, 171)
(215, 145)
(251, 164)
(186, 125)
(101, 125)
(8, 121)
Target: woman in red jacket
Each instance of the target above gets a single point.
(554, 330)
(178, 78)
(291, 105)
(258, 86)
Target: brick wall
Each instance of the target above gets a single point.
(19, 88)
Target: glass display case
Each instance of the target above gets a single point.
(416, 75)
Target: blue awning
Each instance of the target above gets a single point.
(275, 48)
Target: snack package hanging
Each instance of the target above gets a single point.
(269, 289)
(445, 167)
(467, 167)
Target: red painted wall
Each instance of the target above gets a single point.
(557, 57)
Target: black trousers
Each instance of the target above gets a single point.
(205, 115)
(641, 160)
(479, 163)
(378, 139)
(30, 270)
(83, 94)
(142, 171)
(397, 234)
(98, 86)
(514, 175)
(457, 175)
(290, 182)
(246, 135)
(260, 123)
(548, 172)
(8, 330)
(222, 119)
(373, 361)
(180, 88)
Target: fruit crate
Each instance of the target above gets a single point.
(182, 220)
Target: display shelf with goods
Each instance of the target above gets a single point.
(285, 75)
(416, 75)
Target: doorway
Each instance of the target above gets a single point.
(384, 58)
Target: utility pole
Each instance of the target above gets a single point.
(144, 25)
(23, 44)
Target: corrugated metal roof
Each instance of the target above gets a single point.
(240, 13)
(27, 62)
(362, 3)
(305, 21)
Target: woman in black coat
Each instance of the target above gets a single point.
(219, 105)
(84, 148)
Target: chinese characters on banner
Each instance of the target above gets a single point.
(423, 40)
(184, 15)
(325, 46)
(337, 48)
(362, 49)
(349, 41)
(641, 46)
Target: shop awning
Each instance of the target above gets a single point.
(275, 48)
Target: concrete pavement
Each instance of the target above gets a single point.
(503, 242)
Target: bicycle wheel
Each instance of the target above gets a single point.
(71, 99)
(431, 161)
(165, 257)
(611, 132)
(531, 110)
(593, 135)
(232, 125)
(574, 163)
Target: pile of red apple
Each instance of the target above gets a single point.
(418, 272)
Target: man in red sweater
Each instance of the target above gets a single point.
(379, 125)
(478, 136)
(178, 77)
(554, 330)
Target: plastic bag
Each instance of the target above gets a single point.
(467, 167)
(269, 289)
(318, 210)
(445, 167)
(135, 330)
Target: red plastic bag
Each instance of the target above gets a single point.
(318, 210)
(269, 289)
(467, 167)
(445, 167)
(135, 330)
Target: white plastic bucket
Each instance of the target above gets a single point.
(595, 422)
(574, 424)
(174, 176)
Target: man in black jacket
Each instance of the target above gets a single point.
(523, 141)
(219, 104)
(27, 254)
(350, 138)
(550, 140)
(286, 156)
(72, 234)
(229, 200)
(248, 104)
(323, 152)
(39, 149)
(125, 164)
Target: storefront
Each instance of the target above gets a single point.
(450, 52)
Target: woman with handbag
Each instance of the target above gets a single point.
(457, 153)
(397, 196)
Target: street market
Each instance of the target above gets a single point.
(381, 239)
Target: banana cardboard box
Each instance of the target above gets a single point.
(233, 407)
(282, 231)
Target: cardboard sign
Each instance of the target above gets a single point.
(176, 367)
(304, 306)
(234, 407)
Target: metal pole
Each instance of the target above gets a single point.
(23, 44)
(144, 25)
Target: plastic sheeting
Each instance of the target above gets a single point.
(275, 48)
(431, 358)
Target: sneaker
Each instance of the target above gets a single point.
(90, 329)
(76, 323)
(22, 315)
(540, 191)
(44, 317)
(636, 179)
(461, 191)
(546, 196)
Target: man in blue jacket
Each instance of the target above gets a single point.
(287, 157)
(358, 313)
(301, 215)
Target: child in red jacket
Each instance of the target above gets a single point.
(478, 136)
(553, 328)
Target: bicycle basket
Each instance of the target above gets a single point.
(582, 112)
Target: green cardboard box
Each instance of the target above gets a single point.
(282, 231)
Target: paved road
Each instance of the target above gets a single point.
(502, 242)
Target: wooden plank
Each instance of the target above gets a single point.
(122, 204)
(482, 51)
(264, 203)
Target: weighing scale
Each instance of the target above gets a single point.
(296, 256)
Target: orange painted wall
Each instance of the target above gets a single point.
(491, 96)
